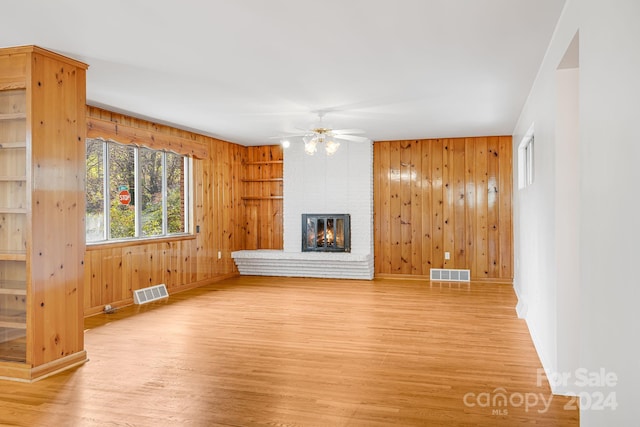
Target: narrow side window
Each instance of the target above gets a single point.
(526, 160)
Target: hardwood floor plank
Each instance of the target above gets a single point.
(255, 351)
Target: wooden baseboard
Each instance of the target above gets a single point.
(100, 309)
(426, 278)
(401, 277)
(24, 373)
(129, 301)
(490, 280)
(203, 283)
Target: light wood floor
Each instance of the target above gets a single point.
(301, 352)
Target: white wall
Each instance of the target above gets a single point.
(567, 222)
(606, 226)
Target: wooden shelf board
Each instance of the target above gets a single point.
(13, 144)
(12, 116)
(10, 324)
(13, 210)
(17, 358)
(262, 198)
(13, 319)
(8, 83)
(265, 162)
(13, 178)
(263, 180)
(13, 287)
(13, 348)
(13, 256)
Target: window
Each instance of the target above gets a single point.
(526, 160)
(135, 192)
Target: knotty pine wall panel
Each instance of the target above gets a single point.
(114, 271)
(444, 195)
(55, 238)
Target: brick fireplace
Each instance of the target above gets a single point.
(322, 185)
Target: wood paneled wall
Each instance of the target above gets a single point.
(430, 197)
(114, 271)
(444, 195)
(263, 185)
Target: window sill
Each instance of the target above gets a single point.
(138, 242)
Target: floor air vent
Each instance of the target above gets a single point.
(450, 275)
(152, 293)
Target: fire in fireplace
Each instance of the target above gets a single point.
(326, 233)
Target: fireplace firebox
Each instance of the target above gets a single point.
(326, 233)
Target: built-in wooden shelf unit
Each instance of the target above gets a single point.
(262, 196)
(42, 156)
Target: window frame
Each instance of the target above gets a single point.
(526, 160)
(138, 237)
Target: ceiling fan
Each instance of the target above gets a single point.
(321, 134)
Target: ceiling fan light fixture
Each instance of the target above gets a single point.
(321, 134)
(310, 145)
(331, 147)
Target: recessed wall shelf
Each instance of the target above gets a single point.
(262, 196)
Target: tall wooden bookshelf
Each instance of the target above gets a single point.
(42, 156)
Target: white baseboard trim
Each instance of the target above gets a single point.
(521, 309)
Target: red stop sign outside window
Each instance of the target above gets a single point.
(125, 197)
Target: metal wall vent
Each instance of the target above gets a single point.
(450, 275)
(152, 293)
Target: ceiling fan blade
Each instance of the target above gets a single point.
(352, 138)
(289, 135)
(298, 129)
(345, 131)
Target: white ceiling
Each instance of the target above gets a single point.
(247, 70)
